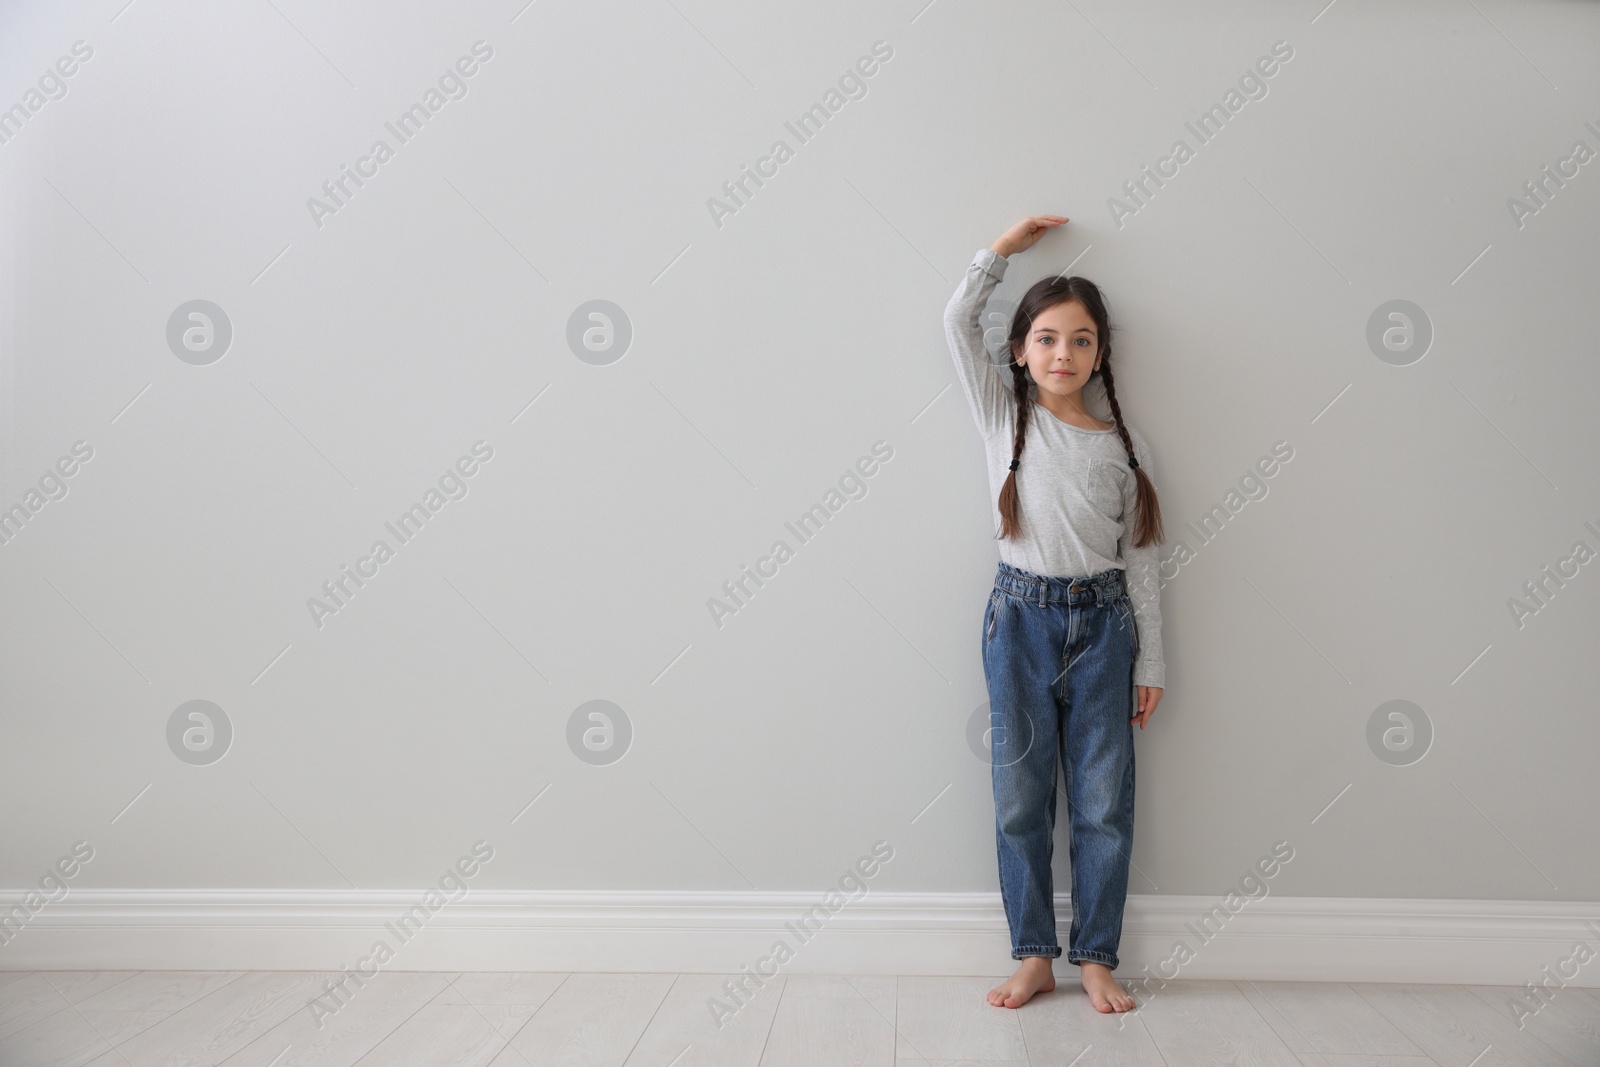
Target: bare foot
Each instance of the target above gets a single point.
(1104, 992)
(1033, 975)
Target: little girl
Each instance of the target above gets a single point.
(1073, 625)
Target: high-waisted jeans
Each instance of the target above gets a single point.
(1058, 657)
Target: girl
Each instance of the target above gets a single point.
(1073, 625)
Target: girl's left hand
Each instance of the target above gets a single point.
(1149, 697)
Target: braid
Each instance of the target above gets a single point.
(1148, 526)
(1021, 380)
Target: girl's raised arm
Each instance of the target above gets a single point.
(986, 385)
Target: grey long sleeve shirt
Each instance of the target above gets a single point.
(1076, 494)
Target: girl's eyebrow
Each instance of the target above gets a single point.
(1052, 329)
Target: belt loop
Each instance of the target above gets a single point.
(1043, 589)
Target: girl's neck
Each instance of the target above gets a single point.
(1070, 411)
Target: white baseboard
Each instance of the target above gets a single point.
(1488, 942)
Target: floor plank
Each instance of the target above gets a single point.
(117, 1026)
(687, 1032)
(63, 1039)
(211, 1029)
(370, 1013)
(507, 1000)
(951, 1018)
(517, 987)
(78, 986)
(824, 1019)
(1452, 1026)
(438, 1035)
(26, 1001)
(1569, 1024)
(593, 1019)
(7, 977)
(1326, 1017)
(1210, 1024)
(1316, 1059)
(1062, 1027)
(158, 990)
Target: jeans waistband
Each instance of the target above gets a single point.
(1047, 589)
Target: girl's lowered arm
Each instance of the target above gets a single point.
(1143, 579)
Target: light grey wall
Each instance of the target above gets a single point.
(371, 348)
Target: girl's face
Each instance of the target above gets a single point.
(1063, 348)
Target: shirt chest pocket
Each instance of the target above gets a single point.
(1107, 484)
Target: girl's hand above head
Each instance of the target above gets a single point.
(1021, 237)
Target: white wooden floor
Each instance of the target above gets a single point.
(262, 1019)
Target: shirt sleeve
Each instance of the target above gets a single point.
(987, 392)
(1141, 568)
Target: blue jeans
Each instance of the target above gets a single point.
(1058, 658)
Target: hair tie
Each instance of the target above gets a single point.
(1133, 461)
(1013, 465)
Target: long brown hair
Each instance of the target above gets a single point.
(1047, 293)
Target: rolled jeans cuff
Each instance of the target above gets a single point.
(1093, 957)
(1052, 951)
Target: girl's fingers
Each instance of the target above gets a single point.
(1034, 226)
(1031, 228)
